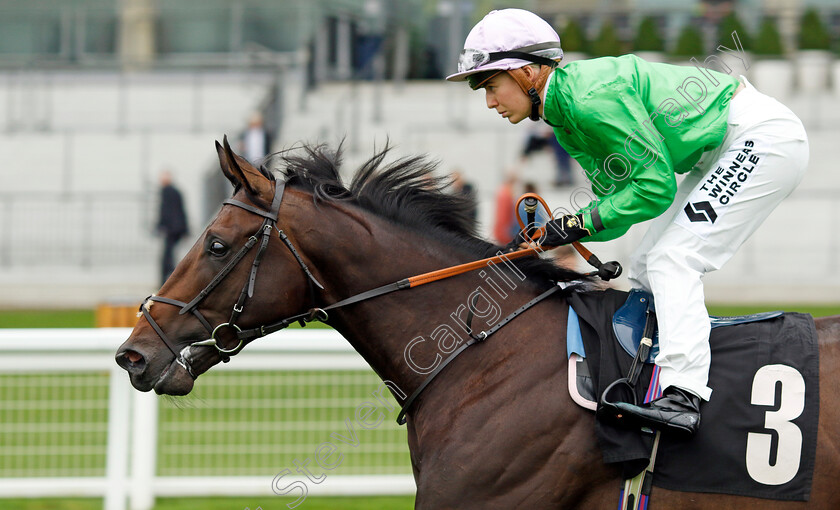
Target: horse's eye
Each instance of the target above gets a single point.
(218, 249)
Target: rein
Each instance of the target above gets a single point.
(321, 314)
(262, 236)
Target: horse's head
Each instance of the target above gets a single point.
(217, 290)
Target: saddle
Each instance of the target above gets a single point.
(763, 367)
(628, 324)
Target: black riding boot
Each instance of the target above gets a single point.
(677, 411)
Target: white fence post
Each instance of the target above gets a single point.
(116, 464)
(144, 426)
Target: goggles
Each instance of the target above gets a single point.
(472, 59)
(480, 78)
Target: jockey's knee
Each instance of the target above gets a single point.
(675, 262)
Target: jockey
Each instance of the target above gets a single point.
(634, 125)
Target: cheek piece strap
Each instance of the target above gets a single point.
(532, 88)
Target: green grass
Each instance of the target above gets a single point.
(86, 318)
(52, 504)
(68, 319)
(47, 318)
(264, 502)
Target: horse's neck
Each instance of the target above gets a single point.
(380, 329)
(405, 334)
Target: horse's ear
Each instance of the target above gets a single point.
(242, 173)
(225, 164)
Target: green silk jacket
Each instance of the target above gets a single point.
(632, 125)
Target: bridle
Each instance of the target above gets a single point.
(262, 236)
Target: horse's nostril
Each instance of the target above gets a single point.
(131, 361)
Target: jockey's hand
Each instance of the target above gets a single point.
(520, 242)
(565, 230)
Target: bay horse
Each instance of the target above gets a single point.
(496, 429)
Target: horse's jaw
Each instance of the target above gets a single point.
(179, 376)
(174, 380)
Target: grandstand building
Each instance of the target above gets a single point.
(98, 96)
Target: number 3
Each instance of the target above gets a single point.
(789, 449)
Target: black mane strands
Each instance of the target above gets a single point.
(407, 192)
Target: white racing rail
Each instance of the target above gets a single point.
(130, 476)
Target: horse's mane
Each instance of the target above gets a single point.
(406, 192)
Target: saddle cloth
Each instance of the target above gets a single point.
(758, 432)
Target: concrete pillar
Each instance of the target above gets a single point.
(320, 57)
(137, 33)
(344, 49)
(401, 56)
(455, 41)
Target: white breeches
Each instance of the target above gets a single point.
(718, 205)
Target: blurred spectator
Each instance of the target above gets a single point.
(529, 187)
(462, 187)
(255, 141)
(505, 225)
(540, 137)
(172, 222)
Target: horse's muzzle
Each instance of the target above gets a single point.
(131, 361)
(138, 365)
